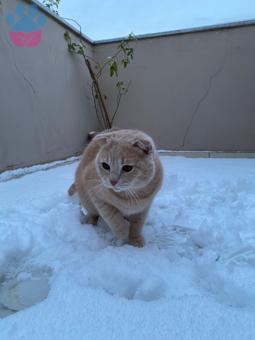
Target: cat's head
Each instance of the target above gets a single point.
(125, 160)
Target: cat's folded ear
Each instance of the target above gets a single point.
(103, 137)
(144, 145)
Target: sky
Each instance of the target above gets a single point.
(105, 19)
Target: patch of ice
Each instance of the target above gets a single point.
(18, 295)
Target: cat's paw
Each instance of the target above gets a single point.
(137, 241)
(116, 242)
(27, 21)
(88, 219)
(122, 232)
(72, 190)
(92, 219)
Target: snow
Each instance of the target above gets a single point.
(10, 174)
(194, 279)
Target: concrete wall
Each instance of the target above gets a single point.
(192, 91)
(45, 103)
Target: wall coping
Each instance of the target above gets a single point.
(206, 28)
(222, 26)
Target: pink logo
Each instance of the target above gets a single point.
(25, 26)
(30, 40)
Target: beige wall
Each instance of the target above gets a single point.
(192, 91)
(45, 103)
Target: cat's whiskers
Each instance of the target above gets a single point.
(129, 197)
(132, 196)
(135, 193)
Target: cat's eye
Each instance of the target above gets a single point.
(105, 166)
(127, 168)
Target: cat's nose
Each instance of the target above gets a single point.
(113, 182)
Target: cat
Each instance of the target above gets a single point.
(117, 178)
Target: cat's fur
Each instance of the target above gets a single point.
(124, 205)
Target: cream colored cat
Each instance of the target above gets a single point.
(117, 179)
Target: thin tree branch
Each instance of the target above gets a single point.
(81, 40)
(95, 104)
(98, 92)
(99, 100)
(107, 62)
(118, 100)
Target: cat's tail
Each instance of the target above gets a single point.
(72, 190)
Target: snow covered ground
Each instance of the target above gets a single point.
(194, 279)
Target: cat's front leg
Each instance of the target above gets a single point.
(136, 223)
(115, 220)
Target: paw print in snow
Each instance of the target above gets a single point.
(25, 27)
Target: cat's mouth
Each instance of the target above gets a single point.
(116, 188)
